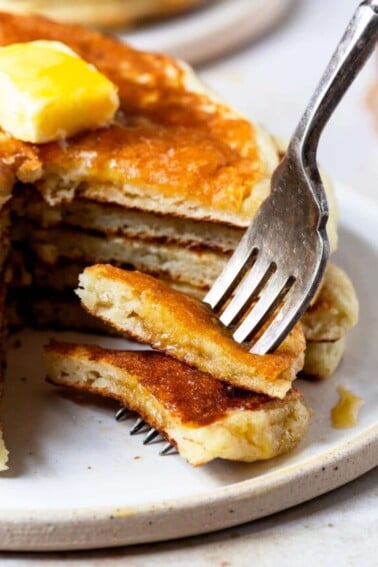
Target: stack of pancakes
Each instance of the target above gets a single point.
(168, 189)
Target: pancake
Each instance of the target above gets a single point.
(146, 309)
(100, 13)
(50, 303)
(115, 220)
(64, 276)
(326, 323)
(175, 148)
(203, 417)
(191, 266)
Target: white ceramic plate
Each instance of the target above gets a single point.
(78, 480)
(212, 31)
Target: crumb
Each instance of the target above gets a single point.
(136, 457)
(23, 379)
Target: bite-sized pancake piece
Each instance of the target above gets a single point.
(142, 307)
(322, 358)
(326, 323)
(175, 149)
(203, 417)
(335, 310)
(191, 266)
(117, 220)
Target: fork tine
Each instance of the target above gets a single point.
(122, 414)
(269, 299)
(168, 450)
(282, 323)
(226, 281)
(248, 289)
(138, 426)
(150, 436)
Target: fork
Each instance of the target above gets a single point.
(279, 263)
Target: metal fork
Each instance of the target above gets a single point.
(280, 261)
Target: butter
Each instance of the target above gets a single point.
(47, 92)
(345, 412)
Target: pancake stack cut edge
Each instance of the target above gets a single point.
(168, 190)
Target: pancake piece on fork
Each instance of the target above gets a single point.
(202, 417)
(170, 321)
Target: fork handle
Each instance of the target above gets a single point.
(351, 54)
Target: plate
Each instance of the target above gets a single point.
(78, 480)
(212, 31)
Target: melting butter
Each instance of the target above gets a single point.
(47, 92)
(345, 412)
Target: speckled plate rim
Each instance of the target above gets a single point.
(219, 508)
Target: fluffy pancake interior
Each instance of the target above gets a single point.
(145, 308)
(191, 266)
(202, 416)
(116, 220)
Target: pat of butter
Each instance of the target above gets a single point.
(47, 92)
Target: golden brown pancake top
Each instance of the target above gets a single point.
(166, 136)
(185, 327)
(195, 397)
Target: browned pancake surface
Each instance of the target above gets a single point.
(148, 310)
(165, 137)
(195, 397)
